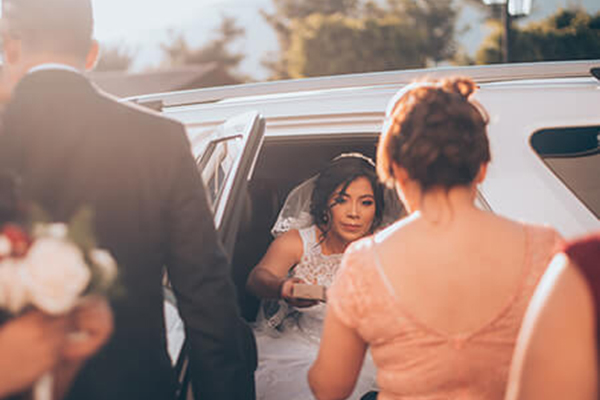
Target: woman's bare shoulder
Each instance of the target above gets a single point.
(289, 243)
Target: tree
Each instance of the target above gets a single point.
(282, 19)
(439, 19)
(321, 37)
(115, 58)
(330, 45)
(217, 50)
(568, 34)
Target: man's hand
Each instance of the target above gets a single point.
(286, 294)
(30, 346)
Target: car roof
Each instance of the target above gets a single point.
(355, 104)
(504, 74)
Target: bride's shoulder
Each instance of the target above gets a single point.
(289, 242)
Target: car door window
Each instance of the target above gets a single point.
(573, 155)
(216, 164)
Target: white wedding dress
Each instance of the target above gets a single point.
(288, 340)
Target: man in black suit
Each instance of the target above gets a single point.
(75, 146)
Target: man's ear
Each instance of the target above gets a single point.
(92, 56)
(12, 49)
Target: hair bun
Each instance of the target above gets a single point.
(436, 133)
(462, 86)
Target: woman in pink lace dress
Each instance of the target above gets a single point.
(438, 296)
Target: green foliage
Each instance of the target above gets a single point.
(439, 19)
(294, 9)
(282, 19)
(115, 58)
(325, 37)
(329, 45)
(179, 52)
(565, 35)
(81, 229)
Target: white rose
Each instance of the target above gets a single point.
(106, 265)
(14, 295)
(56, 275)
(55, 230)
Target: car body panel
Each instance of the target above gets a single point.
(520, 100)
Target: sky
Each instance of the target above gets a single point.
(142, 25)
(120, 18)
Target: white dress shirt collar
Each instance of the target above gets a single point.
(53, 66)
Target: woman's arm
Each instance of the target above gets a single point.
(269, 279)
(556, 355)
(336, 369)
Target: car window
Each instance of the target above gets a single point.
(573, 154)
(216, 164)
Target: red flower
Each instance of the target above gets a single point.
(19, 239)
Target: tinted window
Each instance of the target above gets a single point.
(573, 154)
(216, 164)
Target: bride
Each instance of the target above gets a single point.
(319, 219)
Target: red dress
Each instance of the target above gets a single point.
(585, 253)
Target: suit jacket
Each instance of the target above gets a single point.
(75, 146)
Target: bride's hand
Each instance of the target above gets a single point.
(286, 294)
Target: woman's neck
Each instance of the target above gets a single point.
(440, 205)
(333, 244)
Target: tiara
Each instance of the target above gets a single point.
(355, 155)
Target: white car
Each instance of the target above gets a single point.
(544, 132)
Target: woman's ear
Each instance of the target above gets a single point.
(400, 175)
(401, 180)
(481, 174)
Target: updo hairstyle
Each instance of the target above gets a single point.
(344, 170)
(436, 133)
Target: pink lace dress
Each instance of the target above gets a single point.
(416, 361)
(288, 345)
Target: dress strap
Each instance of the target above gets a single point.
(309, 240)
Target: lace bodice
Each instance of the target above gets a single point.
(316, 267)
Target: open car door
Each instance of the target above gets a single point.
(225, 157)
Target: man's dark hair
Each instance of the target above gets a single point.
(55, 26)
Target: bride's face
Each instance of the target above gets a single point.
(353, 211)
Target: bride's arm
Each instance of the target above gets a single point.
(268, 279)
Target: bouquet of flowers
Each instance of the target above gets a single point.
(51, 267)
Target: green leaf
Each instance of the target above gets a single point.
(81, 229)
(37, 215)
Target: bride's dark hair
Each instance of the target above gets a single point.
(344, 170)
